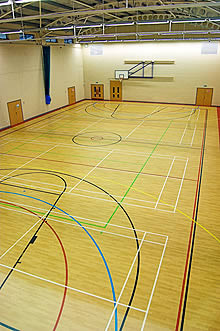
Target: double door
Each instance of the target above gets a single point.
(97, 91)
(15, 112)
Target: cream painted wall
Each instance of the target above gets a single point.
(191, 70)
(21, 77)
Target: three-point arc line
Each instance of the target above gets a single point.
(93, 240)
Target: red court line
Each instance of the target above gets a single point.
(191, 231)
(218, 116)
(99, 167)
(64, 255)
(37, 116)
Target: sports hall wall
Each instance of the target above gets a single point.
(175, 83)
(21, 77)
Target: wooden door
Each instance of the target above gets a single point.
(71, 95)
(204, 96)
(115, 90)
(15, 112)
(97, 91)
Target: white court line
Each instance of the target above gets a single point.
(123, 203)
(93, 123)
(90, 171)
(116, 150)
(180, 142)
(111, 201)
(155, 283)
(72, 224)
(23, 234)
(195, 128)
(78, 189)
(6, 142)
(90, 220)
(53, 190)
(61, 116)
(5, 176)
(181, 184)
(123, 287)
(134, 130)
(69, 287)
(161, 192)
(108, 232)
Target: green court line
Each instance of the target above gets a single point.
(42, 134)
(54, 216)
(77, 156)
(136, 177)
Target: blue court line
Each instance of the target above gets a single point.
(8, 327)
(100, 252)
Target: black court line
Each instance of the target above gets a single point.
(194, 231)
(34, 237)
(115, 110)
(120, 206)
(27, 188)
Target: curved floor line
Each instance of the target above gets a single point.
(86, 132)
(93, 240)
(118, 203)
(141, 118)
(64, 255)
(165, 203)
(39, 227)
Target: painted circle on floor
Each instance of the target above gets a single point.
(96, 138)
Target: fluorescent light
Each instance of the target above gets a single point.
(24, 1)
(189, 21)
(87, 36)
(146, 33)
(214, 19)
(171, 32)
(119, 24)
(89, 26)
(152, 22)
(61, 28)
(11, 32)
(100, 41)
(5, 3)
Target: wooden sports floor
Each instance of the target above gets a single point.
(97, 201)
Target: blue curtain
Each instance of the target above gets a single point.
(46, 70)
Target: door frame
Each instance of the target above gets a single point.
(21, 112)
(71, 87)
(204, 88)
(112, 99)
(92, 91)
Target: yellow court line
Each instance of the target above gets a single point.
(154, 197)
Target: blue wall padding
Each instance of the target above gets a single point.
(46, 70)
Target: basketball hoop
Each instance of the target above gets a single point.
(121, 77)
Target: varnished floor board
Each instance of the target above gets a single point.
(117, 184)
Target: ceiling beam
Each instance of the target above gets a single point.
(113, 10)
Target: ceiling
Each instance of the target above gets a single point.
(108, 21)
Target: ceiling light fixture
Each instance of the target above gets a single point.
(214, 19)
(8, 3)
(119, 24)
(60, 28)
(152, 22)
(11, 32)
(24, 1)
(89, 26)
(189, 21)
